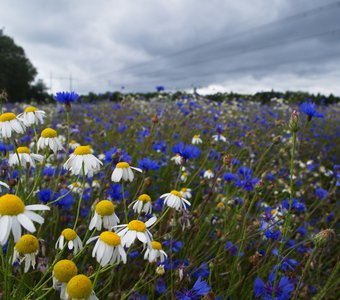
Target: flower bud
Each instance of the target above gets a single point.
(294, 121)
(160, 270)
(323, 238)
(227, 159)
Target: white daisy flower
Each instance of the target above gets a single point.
(63, 271)
(123, 170)
(175, 200)
(177, 159)
(96, 184)
(186, 193)
(143, 203)
(82, 157)
(108, 248)
(74, 292)
(24, 157)
(208, 174)
(32, 115)
(10, 122)
(184, 176)
(135, 229)
(196, 139)
(14, 214)
(73, 241)
(155, 252)
(49, 139)
(26, 248)
(219, 137)
(104, 215)
(3, 184)
(73, 144)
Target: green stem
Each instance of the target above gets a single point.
(81, 198)
(287, 218)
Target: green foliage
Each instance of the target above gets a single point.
(16, 71)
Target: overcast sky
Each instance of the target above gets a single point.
(240, 46)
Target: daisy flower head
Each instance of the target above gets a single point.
(196, 139)
(49, 139)
(123, 171)
(26, 248)
(175, 200)
(186, 193)
(32, 116)
(73, 241)
(208, 174)
(82, 162)
(14, 214)
(108, 248)
(63, 271)
(104, 215)
(73, 144)
(10, 122)
(80, 288)
(177, 159)
(136, 229)
(142, 204)
(24, 158)
(155, 252)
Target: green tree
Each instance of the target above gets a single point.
(16, 71)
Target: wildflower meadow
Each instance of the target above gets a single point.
(169, 198)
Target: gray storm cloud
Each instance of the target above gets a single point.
(247, 46)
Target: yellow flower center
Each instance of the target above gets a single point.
(7, 117)
(110, 238)
(156, 245)
(31, 109)
(27, 244)
(23, 150)
(137, 226)
(73, 142)
(209, 171)
(184, 190)
(79, 287)
(220, 204)
(185, 174)
(69, 234)
(144, 198)
(273, 211)
(122, 165)
(48, 133)
(196, 136)
(176, 193)
(82, 150)
(105, 208)
(64, 270)
(11, 205)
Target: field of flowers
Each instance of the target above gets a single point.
(160, 199)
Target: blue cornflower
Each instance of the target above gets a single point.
(66, 97)
(186, 151)
(160, 88)
(296, 205)
(308, 108)
(232, 249)
(200, 288)
(67, 199)
(229, 176)
(115, 192)
(147, 164)
(321, 193)
(201, 271)
(286, 263)
(282, 290)
(160, 286)
(245, 179)
(46, 195)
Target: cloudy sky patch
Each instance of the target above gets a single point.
(215, 45)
